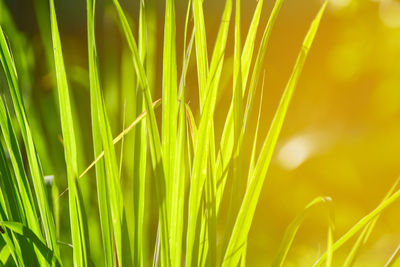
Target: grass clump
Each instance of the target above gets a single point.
(190, 172)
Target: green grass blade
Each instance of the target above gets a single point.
(11, 209)
(5, 253)
(246, 212)
(77, 219)
(294, 226)
(394, 260)
(101, 178)
(15, 186)
(248, 48)
(8, 237)
(33, 161)
(237, 104)
(25, 200)
(363, 237)
(21, 229)
(169, 94)
(140, 150)
(329, 250)
(118, 217)
(179, 183)
(203, 140)
(120, 137)
(254, 148)
(153, 134)
(227, 140)
(192, 125)
(169, 120)
(360, 225)
(201, 49)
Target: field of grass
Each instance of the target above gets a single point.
(132, 171)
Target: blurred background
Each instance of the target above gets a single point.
(341, 137)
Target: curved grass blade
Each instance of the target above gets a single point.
(246, 212)
(294, 226)
(33, 160)
(16, 190)
(24, 231)
(27, 213)
(363, 237)
(360, 225)
(11, 209)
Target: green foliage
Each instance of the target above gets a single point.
(189, 172)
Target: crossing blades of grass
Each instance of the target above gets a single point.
(247, 209)
(27, 213)
(227, 139)
(24, 231)
(365, 233)
(10, 209)
(33, 160)
(18, 197)
(120, 136)
(291, 231)
(205, 134)
(153, 137)
(360, 225)
(118, 217)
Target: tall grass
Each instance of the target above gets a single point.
(190, 172)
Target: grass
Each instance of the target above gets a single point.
(191, 174)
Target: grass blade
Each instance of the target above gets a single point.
(237, 105)
(33, 161)
(204, 137)
(118, 217)
(77, 219)
(360, 225)
(294, 226)
(227, 140)
(153, 134)
(140, 151)
(201, 49)
(27, 233)
(246, 212)
(394, 259)
(101, 178)
(363, 237)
